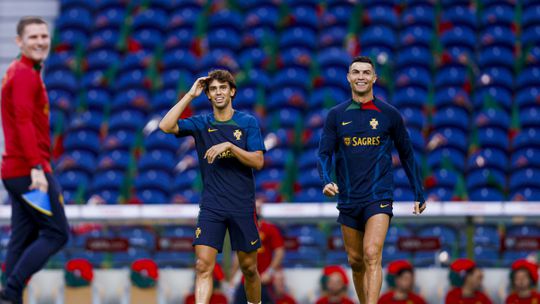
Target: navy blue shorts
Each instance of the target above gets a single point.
(212, 224)
(359, 222)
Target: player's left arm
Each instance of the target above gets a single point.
(278, 248)
(403, 144)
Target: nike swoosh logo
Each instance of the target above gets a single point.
(343, 123)
(254, 242)
(211, 130)
(384, 206)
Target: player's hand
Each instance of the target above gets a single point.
(39, 181)
(214, 151)
(198, 87)
(266, 277)
(330, 190)
(417, 209)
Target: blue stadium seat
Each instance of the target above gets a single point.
(445, 178)
(183, 18)
(528, 177)
(60, 61)
(480, 178)
(133, 79)
(496, 77)
(162, 141)
(61, 80)
(269, 178)
(333, 57)
(333, 78)
(135, 61)
(150, 196)
(310, 178)
(531, 16)
(509, 257)
(276, 158)
(527, 138)
(381, 36)
(501, 36)
(72, 38)
(119, 140)
(303, 257)
(95, 100)
(301, 37)
(526, 158)
(107, 4)
(523, 230)
(113, 160)
(459, 36)
(306, 235)
(138, 237)
(148, 38)
(71, 180)
(493, 138)
(525, 194)
(395, 232)
(62, 100)
(308, 159)
(422, 15)
(493, 118)
(487, 194)
(226, 19)
(453, 157)
(312, 140)
(94, 80)
(486, 257)
(185, 180)
(460, 16)
(264, 16)
(392, 253)
(111, 18)
(529, 77)
(331, 37)
(258, 37)
(486, 236)
(156, 160)
(77, 160)
(224, 38)
(69, 4)
(82, 140)
(403, 195)
(187, 196)
(488, 158)
(502, 15)
(126, 120)
(451, 117)
(305, 16)
(410, 97)
(495, 56)
(414, 77)
(326, 97)
(447, 234)
(218, 59)
(74, 19)
(382, 16)
(102, 59)
(309, 195)
(181, 38)
(415, 56)
(174, 78)
(530, 118)
(288, 98)
(290, 77)
(152, 18)
(451, 76)
(440, 194)
(416, 36)
(494, 95)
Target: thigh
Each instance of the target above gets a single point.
(376, 208)
(376, 229)
(353, 240)
(24, 227)
(58, 221)
(244, 233)
(247, 259)
(210, 230)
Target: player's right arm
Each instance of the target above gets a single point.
(327, 146)
(169, 123)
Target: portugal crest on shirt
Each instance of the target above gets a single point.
(347, 141)
(237, 134)
(373, 123)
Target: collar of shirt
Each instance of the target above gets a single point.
(29, 62)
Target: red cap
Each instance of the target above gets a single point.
(328, 270)
(463, 264)
(531, 267)
(397, 266)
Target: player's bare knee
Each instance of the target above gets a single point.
(249, 270)
(372, 255)
(356, 262)
(203, 266)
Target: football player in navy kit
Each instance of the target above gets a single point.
(229, 146)
(360, 134)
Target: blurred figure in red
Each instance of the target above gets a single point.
(400, 278)
(466, 280)
(523, 281)
(281, 296)
(217, 295)
(334, 285)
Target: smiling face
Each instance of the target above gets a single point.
(220, 94)
(361, 77)
(34, 42)
(521, 280)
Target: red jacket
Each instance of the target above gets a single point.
(533, 299)
(454, 296)
(344, 300)
(285, 299)
(217, 298)
(25, 120)
(388, 298)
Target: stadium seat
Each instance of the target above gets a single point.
(415, 56)
(224, 38)
(496, 76)
(149, 196)
(121, 140)
(493, 138)
(156, 160)
(495, 56)
(308, 159)
(416, 36)
(460, 36)
(451, 76)
(486, 257)
(488, 158)
(301, 37)
(421, 15)
(440, 194)
(403, 195)
(107, 180)
(179, 39)
(110, 19)
(158, 140)
(492, 118)
(487, 194)
(102, 59)
(501, 15)
(527, 138)
(332, 37)
(446, 156)
(264, 16)
(529, 77)
(525, 158)
(414, 77)
(490, 178)
(185, 180)
(126, 120)
(310, 178)
(460, 16)
(528, 177)
(72, 179)
(152, 18)
(531, 16)
(309, 195)
(82, 140)
(498, 36)
(378, 35)
(487, 95)
(451, 117)
(74, 19)
(113, 160)
(410, 97)
(149, 39)
(381, 16)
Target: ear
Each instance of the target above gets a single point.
(374, 78)
(233, 92)
(348, 77)
(18, 41)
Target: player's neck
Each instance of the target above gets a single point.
(363, 98)
(467, 292)
(400, 295)
(223, 114)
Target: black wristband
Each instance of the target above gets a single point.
(38, 167)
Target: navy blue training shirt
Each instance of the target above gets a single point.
(361, 137)
(228, 185)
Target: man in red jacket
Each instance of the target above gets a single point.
(523, 280)
(400, 278)
(334, 284)
(38, 232)
(466, 280)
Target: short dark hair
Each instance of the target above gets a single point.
(365, 59)
(27, 20)
(221, 76)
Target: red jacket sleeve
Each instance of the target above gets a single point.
(277, 239)
(24, 92)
